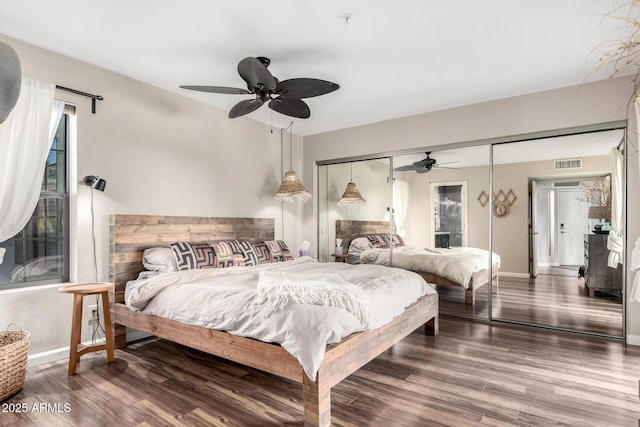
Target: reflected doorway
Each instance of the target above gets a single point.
(559, 218)
(449, 210)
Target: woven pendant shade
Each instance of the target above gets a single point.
(292, 189)
(351, 196)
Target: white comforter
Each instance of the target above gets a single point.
(224, 299)
(455, 264)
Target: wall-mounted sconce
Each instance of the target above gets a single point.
(95, 182)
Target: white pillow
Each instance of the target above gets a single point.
(359, 244)
(159, 259)
(2, 251)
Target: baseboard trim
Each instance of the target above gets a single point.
(633, 339)
(509, 274)
(55, 354)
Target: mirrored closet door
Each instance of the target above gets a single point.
(563, 201)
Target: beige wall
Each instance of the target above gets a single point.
(583, 105)
(161, 153)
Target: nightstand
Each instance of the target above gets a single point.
(346, 258)
(79, 291)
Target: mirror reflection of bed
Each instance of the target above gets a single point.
(370, 242)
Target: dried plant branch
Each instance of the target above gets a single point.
(623, 55)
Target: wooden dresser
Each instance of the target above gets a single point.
(599, 277)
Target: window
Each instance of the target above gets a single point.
(40, 252)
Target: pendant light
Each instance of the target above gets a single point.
(291, 189)
(351, 196)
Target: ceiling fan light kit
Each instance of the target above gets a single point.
(284, 97)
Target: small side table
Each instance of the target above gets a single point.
(79, 291)
(342, 258)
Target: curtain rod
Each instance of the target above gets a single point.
(88, 95)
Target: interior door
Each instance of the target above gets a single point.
(572, 211)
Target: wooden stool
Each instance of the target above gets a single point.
(79, 291)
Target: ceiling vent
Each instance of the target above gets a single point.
(567, 164)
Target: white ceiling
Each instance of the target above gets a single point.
(393, 58)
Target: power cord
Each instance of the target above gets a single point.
(97, 327)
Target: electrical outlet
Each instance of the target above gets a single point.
(93, 309)
(93, 318)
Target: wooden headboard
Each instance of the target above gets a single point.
(130, 235)
(347, 230)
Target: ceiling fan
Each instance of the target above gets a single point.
(285, 96)
(424, 165)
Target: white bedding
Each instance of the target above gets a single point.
(455, 264)
(224, 299)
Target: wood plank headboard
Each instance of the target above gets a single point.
(347, 230)
(130, 235)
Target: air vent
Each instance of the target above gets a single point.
(566, 184)
(567, 164)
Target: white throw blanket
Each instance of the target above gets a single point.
(276, 289)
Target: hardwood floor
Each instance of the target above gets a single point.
(471, 374)
(561, 301)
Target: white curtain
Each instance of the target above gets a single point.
(400, 202)
(615, 241)
(25, 141)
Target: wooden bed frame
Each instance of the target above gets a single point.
(347, 230)
(131, 234)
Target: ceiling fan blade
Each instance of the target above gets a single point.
(290, 107)
(255, 73)
(406, 168)
(245, 107)
(305, 88)
(444, 167)
(218, 89)
(448, 163)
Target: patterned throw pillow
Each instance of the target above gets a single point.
(262, 253)
(396, 240)
(379, 240)
(226, 255)
(246, 249)
(279, 251)
(190, 256)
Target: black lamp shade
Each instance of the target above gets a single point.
(95, 182)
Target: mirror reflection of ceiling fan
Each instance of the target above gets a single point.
(425, 165)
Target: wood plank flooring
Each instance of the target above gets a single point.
(472, 374)
(561, 301)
